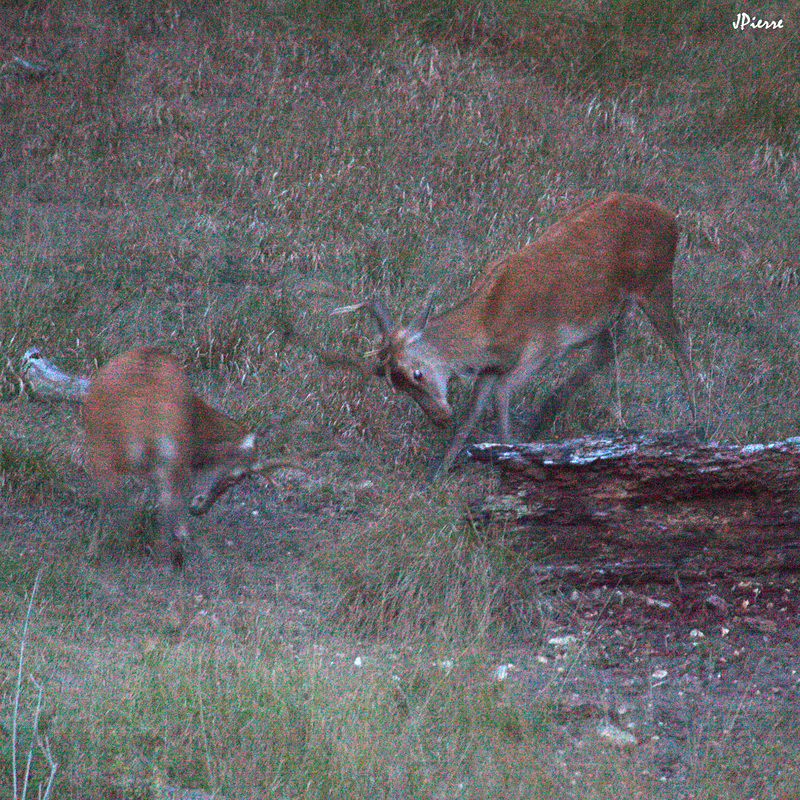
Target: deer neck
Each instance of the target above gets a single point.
(459, 338)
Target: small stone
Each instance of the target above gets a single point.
(718, 603)
(616, 736)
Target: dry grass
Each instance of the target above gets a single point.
(203, 179)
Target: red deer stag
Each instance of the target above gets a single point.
(564, 291)
(141, 418)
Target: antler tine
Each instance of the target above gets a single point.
(382, 317)
(350, 309)
(427, 305)
(376, 308)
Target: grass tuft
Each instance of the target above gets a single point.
(426, 572)
(29, 472)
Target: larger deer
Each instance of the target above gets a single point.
(564, 291)
(142, 418)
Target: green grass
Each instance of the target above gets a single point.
(245, 725)
(237, 711)
(245, 716)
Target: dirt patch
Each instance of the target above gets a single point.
(677, 681)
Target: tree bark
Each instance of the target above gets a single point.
(638, 507)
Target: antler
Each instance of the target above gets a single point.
(427, 305)
(382, 316)
(384, 319)
(332, 358)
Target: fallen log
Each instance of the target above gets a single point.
(640, 507)
(43, 380)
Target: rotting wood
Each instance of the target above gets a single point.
(632, 507)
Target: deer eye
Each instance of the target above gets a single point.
(418, 376)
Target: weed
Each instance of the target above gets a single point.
(25, 771)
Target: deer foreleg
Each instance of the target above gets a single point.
(601, 356)
(484, 385)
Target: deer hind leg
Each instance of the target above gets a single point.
(601, 355)
(484, 385)
(97, 530)
(107, 480)
(658, 307)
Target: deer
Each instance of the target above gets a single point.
(142, 419)
(562, 292)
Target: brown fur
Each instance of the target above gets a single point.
(141, 418)
(561, 292)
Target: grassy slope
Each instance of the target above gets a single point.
(193, 179)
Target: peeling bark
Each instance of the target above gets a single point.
(638, 507)
(45, 381)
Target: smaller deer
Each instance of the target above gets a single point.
(142, 419)
(562, 292)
